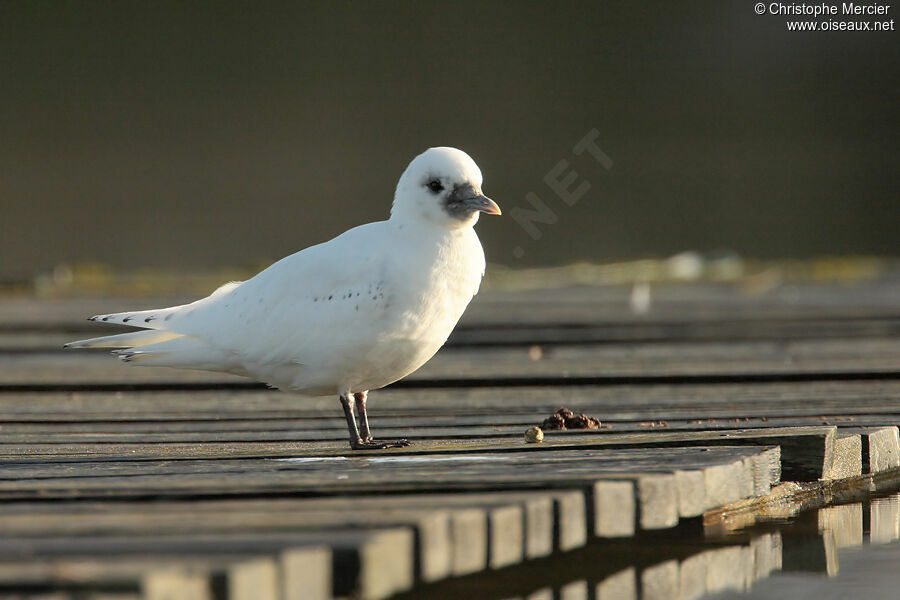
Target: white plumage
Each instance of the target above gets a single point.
(352, 314)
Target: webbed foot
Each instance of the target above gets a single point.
(371, 444)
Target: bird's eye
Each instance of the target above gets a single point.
(435, 186)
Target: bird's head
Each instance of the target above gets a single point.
(442, 186)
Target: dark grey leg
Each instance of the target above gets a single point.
(364, 432)
(355, 440)
(361, 439)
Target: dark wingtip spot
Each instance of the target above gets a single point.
(330, 297)
(148, 319)
(106, 318)
(65, 346)
(126, 319)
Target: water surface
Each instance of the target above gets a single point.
(849, 550)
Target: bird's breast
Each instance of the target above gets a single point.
(409, 300)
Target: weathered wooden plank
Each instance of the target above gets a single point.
(660, 582)
(470, 541)
(766, 470)
(328, 428)
(723, 484)
(442, 533)
(503, 521)
(507, 536)
(880, 447)
(306, 573)
(317, 475)
(615, 508)
(543, 518)
(58, 596)
(806, 452)
(655, 492)
(384, 568)
(542, 515)
(573, 517)
(759, 470)
(738, 358)
(424, 436)
(176, 585)
(109, 571)
(847, 457)
(682, 401)
(256, 579)
(657, 501)
(518, 523)
(618, 586)
(803, 457)
(221, 424)
(574, 590)
(551, 520)
(375, 466)
(51, 337)
(432, 525)
(610, 568)
(807, 461)
(326, 425)
(692, 491)
(543, 301)
(372, 565)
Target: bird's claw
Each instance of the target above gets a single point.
(370, 444)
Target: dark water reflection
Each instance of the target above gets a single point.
(852, 553)
(844, 551)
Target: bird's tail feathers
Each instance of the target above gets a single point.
(133, 339)
(158, 318)
(148, 319)
(184, 352)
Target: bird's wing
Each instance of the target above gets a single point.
(308, 304)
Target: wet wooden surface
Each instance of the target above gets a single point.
(168, 484)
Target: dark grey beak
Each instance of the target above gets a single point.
(472, 199)
(466, 199)
(484, 204)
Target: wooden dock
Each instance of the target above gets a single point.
(123, 482)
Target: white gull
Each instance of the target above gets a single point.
(353, 314)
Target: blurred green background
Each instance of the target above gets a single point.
(197, 134)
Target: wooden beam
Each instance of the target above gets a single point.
(880, 447)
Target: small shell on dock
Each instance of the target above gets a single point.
(534, 435)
